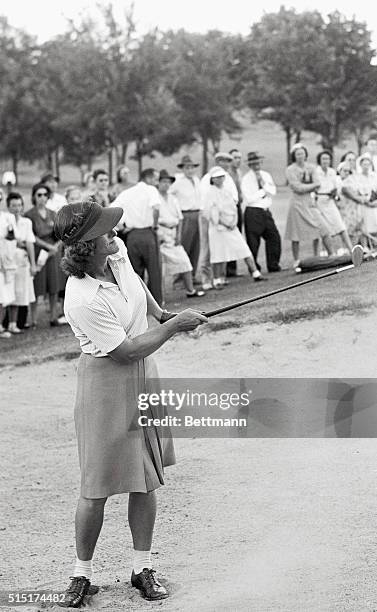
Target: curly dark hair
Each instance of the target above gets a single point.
(70, 218)
(324, 152)
(75, 261)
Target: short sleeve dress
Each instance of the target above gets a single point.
(304, 221)
(24, 286)
(116, 453)
(325, 200)
(225, 243)
(173, 256)
(50, 279)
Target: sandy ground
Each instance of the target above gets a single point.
(260, 525)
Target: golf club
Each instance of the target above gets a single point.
(357, 258)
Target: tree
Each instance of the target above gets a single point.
(347, 89)
(72, 99)
(288, 52)
(18, 116)
(200, 78)
(311, 73)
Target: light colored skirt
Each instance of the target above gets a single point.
(331, 215)
(175, 259)
(7, 294)
(351, 215)
(23, 281)
(116, 454)
(226, 244)
(304, 221)
(369, 219)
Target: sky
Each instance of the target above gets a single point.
(46, 18)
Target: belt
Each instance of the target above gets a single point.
(190, 211)
(140, 229)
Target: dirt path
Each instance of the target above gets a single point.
(258, 525)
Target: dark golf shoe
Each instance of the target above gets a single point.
(76, 592)
(148, 586)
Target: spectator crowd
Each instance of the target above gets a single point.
(189, 228)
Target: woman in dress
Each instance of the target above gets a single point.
(304, 221)
(48, 280)
(102, 191)
(174, 256)
(325, 197)
(349, 208)
(226, 242)
(363, 192)
(350, 157)
(106, 305)
(25, 260)
(8, 267)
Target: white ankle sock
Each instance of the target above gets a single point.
(256, 274)
(83, 568)
(142, 559)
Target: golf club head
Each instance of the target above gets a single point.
(357, 255)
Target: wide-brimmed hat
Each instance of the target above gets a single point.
(222, 156)
(185, 161)
(85, 221)
(216, 172)
(254, 156)
(367, 156)
(344, 165)
(297, 145)
(164, 174)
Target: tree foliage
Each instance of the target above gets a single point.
(101, 87)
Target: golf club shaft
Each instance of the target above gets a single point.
(212, 313)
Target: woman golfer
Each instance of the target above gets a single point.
(106, 304)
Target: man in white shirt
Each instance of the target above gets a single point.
(56, 201)
(138, 226)
(257, 188)
(187, 191)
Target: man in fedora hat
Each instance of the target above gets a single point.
(257, 188)
(187, 191)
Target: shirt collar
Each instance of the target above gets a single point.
(117, 257)
(92, 285)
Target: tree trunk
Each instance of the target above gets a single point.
(57, 163)
(110, 164)
(15, 166)
(297, 136)
(205, 155)
(288, 140)
(140, 164)
(49, 160)
(139, 157)
(124, 153)
(82, 174)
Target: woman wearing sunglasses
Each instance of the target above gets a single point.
(48, 279)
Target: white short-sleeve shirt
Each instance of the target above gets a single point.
(101, 314)
(138, 203)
